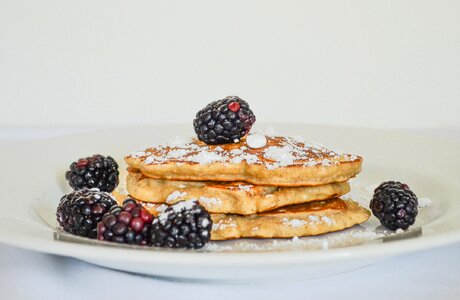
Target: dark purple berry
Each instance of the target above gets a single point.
(395, 205)
(183, 225)
(80, 211)
(96, 171)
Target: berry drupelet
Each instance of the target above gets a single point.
(183, 225)
(395, 205)
(79, 212)
(129, 224)
(224, 121)
(96, 171)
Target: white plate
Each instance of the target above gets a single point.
(32, 182)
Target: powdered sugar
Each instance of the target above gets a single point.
(295, 223)
(327, 220)
(223, 224)
(424, 202)
(206, 157)
(209, 202)
(282, 156)
(249, 158)
(175, 195)
(327, 162)
(310, 221)
(183, 205)
(236, 152)
(177, 153)
(95, 192)
(149, 160)
(256, 140)
(159, 209)
(313, 218)
(178, 207)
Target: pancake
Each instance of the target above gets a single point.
(228, 197)
(283, 161)
(308, 219)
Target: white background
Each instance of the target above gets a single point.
(367, 63)
(86, 64)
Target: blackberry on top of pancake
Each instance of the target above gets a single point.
(224, 121)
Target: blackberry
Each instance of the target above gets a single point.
(183, 225)
(224, 121)
(79, 212)
(395, 205)
(96, 171)
(129, 224)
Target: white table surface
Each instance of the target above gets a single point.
(432, 274)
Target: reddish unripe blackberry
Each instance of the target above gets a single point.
(129, 224)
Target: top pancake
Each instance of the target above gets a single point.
(283, 161)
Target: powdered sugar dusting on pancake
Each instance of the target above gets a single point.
(278, 152)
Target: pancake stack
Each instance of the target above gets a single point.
(278, 188)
